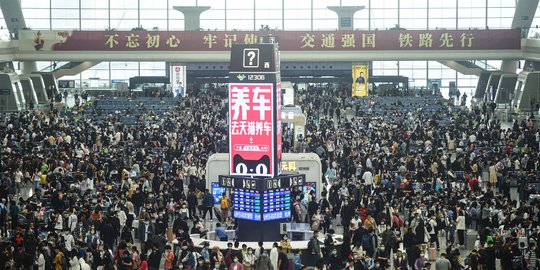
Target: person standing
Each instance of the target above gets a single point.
(146, 234)
(40, 263)
(368, 181)
(248, 259)
(274, 256)
(461, 227)
(192, 202)
(154, 258)
(169, 258)
(224, 205)
(297, 260)
(263, 262)
(431, 228)
(208, 204)
(236, 265)
(530, 257)
(315, 249)
(283, 260)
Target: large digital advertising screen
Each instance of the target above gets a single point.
(251, 129)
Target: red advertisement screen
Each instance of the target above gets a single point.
(251, 129)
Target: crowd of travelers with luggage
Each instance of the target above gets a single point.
(408, 180)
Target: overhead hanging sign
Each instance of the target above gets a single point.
(422, 40)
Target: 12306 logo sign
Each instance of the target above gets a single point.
(256, 77)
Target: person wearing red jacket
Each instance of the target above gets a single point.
(474, 185)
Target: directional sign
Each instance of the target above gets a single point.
(251, 58)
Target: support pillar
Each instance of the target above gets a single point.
(13, 16)
(27, 67)
(509, 66)
(345, 16)
(523, 17)
(192, 16)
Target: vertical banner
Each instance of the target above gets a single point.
(252, 128)
(178, 80)
(360, 81)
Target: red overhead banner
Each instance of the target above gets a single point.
(423, 40)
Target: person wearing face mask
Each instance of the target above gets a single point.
(92, 237)
(200, 264)
(161, 224)
(126, 235)
(263, 263)
(381, 256)
(169, 258)
(285, 243)
(297, 260)
(333, 260)
(314, 249)
(329, 241)
(236, 265)
(351, 265)
(400, 262)
(154, 258)
(248, 259)
(146, 233)
(420, 262)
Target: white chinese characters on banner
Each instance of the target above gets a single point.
(262, 99)
(239, 100)
(252, 128)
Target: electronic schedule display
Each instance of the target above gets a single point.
(247, 204)
(263, 199)
(276, 204)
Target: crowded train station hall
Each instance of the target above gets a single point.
(269, 135)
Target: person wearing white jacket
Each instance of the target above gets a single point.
(40, 261)
(274, 256)
(72, 221)
(84, 265)
(59, 223)
(461, 227)
(74, 263)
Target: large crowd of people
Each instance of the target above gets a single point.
(408, 181)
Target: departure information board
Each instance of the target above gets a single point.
(247, 204)
(276, 204)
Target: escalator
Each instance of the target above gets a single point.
(469, 67)
(61, 69)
